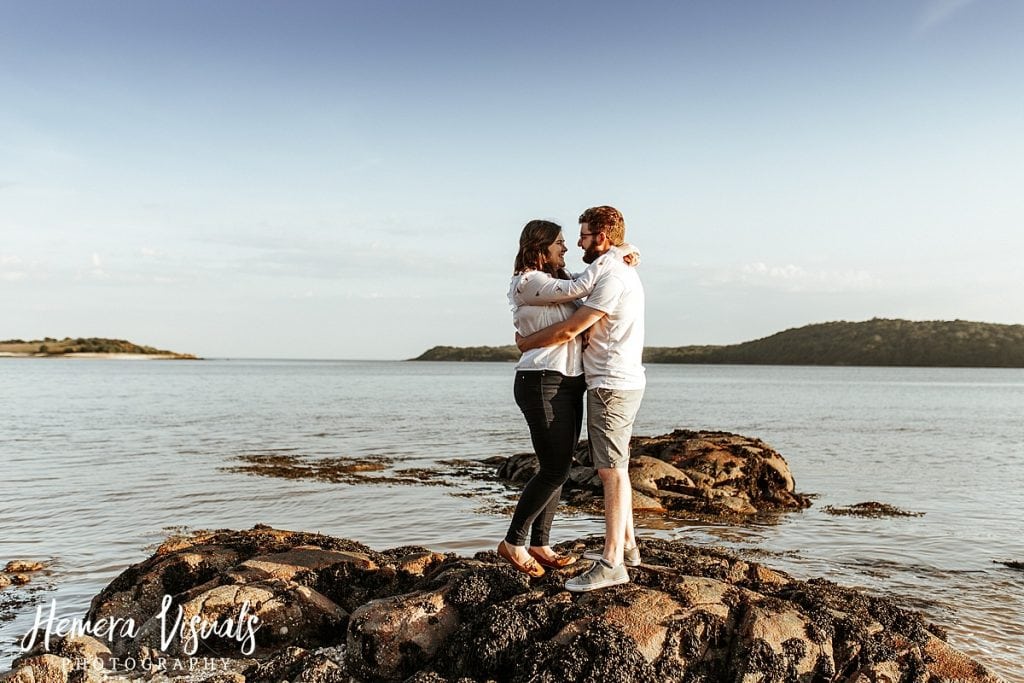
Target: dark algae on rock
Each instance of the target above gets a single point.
(698, 474)
(706, 475)
(333, 609)
(21, 582)
(870, 509)
(369, 469)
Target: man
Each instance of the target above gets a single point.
(614, 314)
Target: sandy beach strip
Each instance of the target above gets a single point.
(118, 356)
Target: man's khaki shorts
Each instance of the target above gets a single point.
(610, 416)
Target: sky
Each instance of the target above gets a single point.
(349, 179)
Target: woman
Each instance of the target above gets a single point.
(549, 388)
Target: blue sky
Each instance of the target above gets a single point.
(349, 179)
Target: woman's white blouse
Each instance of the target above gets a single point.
(539, 300)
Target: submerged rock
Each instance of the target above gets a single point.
(19, 572)
(703, 474)
(23, 566)
(870, 509)
(334, 610)
(20, 585)
(707, 475)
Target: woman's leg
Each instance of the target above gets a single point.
(548, 401)
(569, 405)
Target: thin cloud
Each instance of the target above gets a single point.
(792, 278)
(371, 261)
(14, 268)
(938, 12)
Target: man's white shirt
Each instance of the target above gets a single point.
(613, 358)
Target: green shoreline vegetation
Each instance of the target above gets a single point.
(877, 342)
(50, 347)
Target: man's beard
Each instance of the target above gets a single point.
(591, 254)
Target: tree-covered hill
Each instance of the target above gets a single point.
(471, 353)
(878, 342)
(57, 347)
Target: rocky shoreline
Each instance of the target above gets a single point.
(706, 475)
(685, 474)
(333, 609)
(699, 474)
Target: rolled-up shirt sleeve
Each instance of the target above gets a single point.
(541, 288)
(605, 296)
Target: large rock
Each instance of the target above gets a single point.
(649, 475)
(645, 503)
(645, 616)
(82, 648)
(287, 613)
(389, 639)
(689, 613)
(519, 468)
(48, 668)
(779, 645)
(714, 475)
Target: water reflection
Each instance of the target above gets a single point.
(137, 448)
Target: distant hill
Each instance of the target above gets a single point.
(877, 342)
(471, 353)
(92, 345)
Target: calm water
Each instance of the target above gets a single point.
(101, 458)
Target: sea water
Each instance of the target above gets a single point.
(101, 459)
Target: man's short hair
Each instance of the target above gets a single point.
(608, 220)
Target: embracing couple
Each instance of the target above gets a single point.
(580, 335)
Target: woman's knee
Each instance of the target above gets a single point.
(555, 474)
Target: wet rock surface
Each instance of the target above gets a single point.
(20, 582)
(332, 609)
(870, 509)
(375, 469)
(703, 474)
(20, 572)
(697, 474)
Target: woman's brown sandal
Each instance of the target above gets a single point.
(530, 567)
(556, 562)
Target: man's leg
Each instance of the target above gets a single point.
(618, 513)
(610, 415)
(611, 428)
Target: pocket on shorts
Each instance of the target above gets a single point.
(617, 410)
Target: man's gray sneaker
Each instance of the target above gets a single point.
(601, 575)
(631, 556)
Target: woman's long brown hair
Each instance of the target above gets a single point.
(536, 238)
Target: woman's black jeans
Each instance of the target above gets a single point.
(553, 407)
